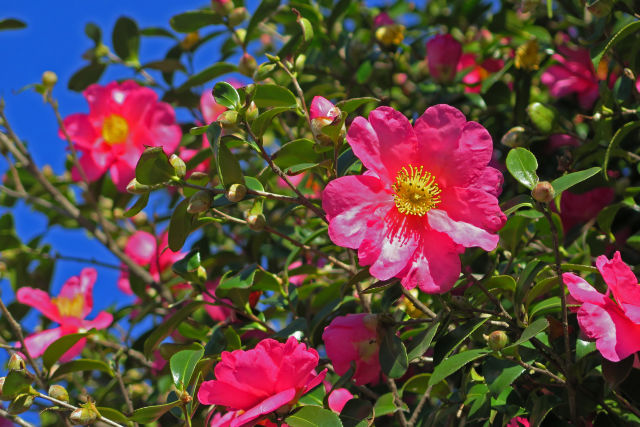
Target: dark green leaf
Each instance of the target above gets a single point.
(454, 363)
(499, 374)
(616, 372)
(296, 152)
(269, 95)
(229, 170)
(16, 382)
(531, 331)
(421, 342)
(157, 32)
(182, 365)
(113, 415)
(149, 414)
(350, 105)
(193, 20)
(188, 264)
(617, 139)
(180, 226)
(81, 365)
(452, 340)
(208, 74)
(59, 347)
(522, 165)
(571, 179)
(86, 76)
(126, 39)
(266, 8)
(11, 24)
(356, 413)
(260, 125)
(93, 32)
(393, 354)
(386, 405)
(153, 167)
(627, 30)
(313, 416)
(137, 206)
(168, 326)
(165, 65)
(226, 95)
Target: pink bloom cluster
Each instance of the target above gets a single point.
(427, 194)
(257, 382)
(69, 309)
(614, 324)
(122, 119)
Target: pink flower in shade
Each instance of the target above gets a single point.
(354, 338)
(518, 422)
(479, 72)
(338, 398)
(559, 140)
(580, 208)
(574, 73)
(443, 55)
(382, 19)
(144, 250)
(218, 313)
(69, 309)
(262, 380)
(122, 119)
(614, 324)
(427, 194)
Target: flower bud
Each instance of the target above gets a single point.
(2, 396)
(256, 222)
(16, 363)
(236, 192)
(515, 137)
(21, 403)
(527, 57)
(240, 35)
(222, 7)
(238, 16)
(600, 8)
(443, 55)
(542, 117)
(543, 192)
(190, 40)
(252, 112)
(134, 187)
(49, 79)
(179, 166)
(197, 176)
(58, 392)
(264, 71)
(497, 340)
(228, 119)
(247, 65)
(85, 414)
(199, 202)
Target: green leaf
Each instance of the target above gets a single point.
(393, 354)
(81, 365)
(208, 74)
(165, 65)
(421, 342)
(350, 105)
(266, 8)
(168, 326)
(615, 141)
(59, 347)
(226, 95)
(525, 279)
(149, 414)
(522, 165)
(242, 280)
(126, 39)
(357, 413)
(153, 167)
(546, 306)
(113, 415)
(188, 264)
(86, 76)
(627, 30)
(229, 170)
(180, 226)
(93, 32)
(453, 364)
(386, 405)
(500, 374)
(193, 20)
(157, 32)
(11, 24)
(451, 341)
(16, 382)
(364, 72)
(274, 96)
(530, 331)
(260, 125)
(338, 10)
(571, 179)
(182, 365)
(296, 152)
(140, 204)
(313, 416)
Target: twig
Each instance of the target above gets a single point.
(126, 350)
(419, 305)
(536, 369)
(398, 402)
(73, 408)
(16, 419)
(123, 390)
(416, 411)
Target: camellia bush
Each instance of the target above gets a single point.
(401, 215)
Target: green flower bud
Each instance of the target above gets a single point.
(252, 112)
(497, 340)
(542, 117)
(515, 137)
(238, 16)
(179, 166)
(197, 176)
(543, 192)
(85, 414)
(256, 222)
(49, 79)
(134, 187)
(247, 65)
(199, 202)
(228, 119)
(16, 363)
(236, 192)
(264, 71)
(58, 392)
(21, 403)
(222, 7)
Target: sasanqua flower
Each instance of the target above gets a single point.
(122, 119)
(443, 54)
(427, 194)
(69, 309)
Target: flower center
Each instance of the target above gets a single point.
(416, 191)
(71, 307)
(115, 129)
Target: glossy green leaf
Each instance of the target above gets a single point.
(229, 169)
(11, 24)
(549, 305)
(113, 415)
(208, 74)
(270, 95)
(420, 343)
(154, 167)
(571, 179)
(261, 124)
(86, 76)
(296, 152)
(188, 264)
(16, 382)
(386, 405)
(393, 354)
(356, 413)
(137, 207)
(169, 325)
(149, 414)
(453, 363)
(56, 349)
(126, 39)
(350, 105)
(266, 8)
(182, 365)
(82, 365)
(500, 374)
(627, 30)
(523, 165)
(180, 225)
(226, 95)
(93, 32)
(193, 20)
(454, 339)
(313, 416)
(617, 139)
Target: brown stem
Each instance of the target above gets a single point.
(16, 419)
(419, 305)
(73, 408)
(398, 402)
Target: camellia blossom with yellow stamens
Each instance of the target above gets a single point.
(428, 193)
(69, 309)
(123, 118)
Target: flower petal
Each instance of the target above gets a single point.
(582, 291)
(141, 247)
(81, 285)
(102, 321)
(40, 300)
(623, 284)
(473, 206)
(616, 336)
(80, 130)
(460, 232)
(37, 343)
(267, 406)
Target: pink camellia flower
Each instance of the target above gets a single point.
(262, 380)
(338, 398)
(580, 208)
(219, 313)
(559, 140)
(574, 73)
(427, 194)
(122, 119)
(147, 251)
(518, 422)
(323, 113)
(614, 324)
(354, 338)
(69, 309)
(479, 72)
(443, 54)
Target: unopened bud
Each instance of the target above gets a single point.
(222, 7)
(238, 16)
(16, 363)
(252, 112)
(236, 192)
(58, 392)
(185, 398)
(264, 71)
(542, 117)
(256, 222)
(86, 414)
(199, 202)
(190, 40)
(21, 403)
(497, 340)
(228, 119)
(201, 273)
(197, 176)
(543, 192)
(515, 137)
(49, 79)
(179, 166)
(134, 187)
(247, 65)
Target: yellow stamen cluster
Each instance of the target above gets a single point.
(71, 307)
(390, 35)
(115, 129)
(527, 57)
(416, 191)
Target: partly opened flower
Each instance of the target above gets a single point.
(580, 208)
(322, 114)
(443, 54)
(428, 194)
(69, 309)
(262, 380)
(478, 72)
(614, 324)
(122, 119)
(354, 338)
